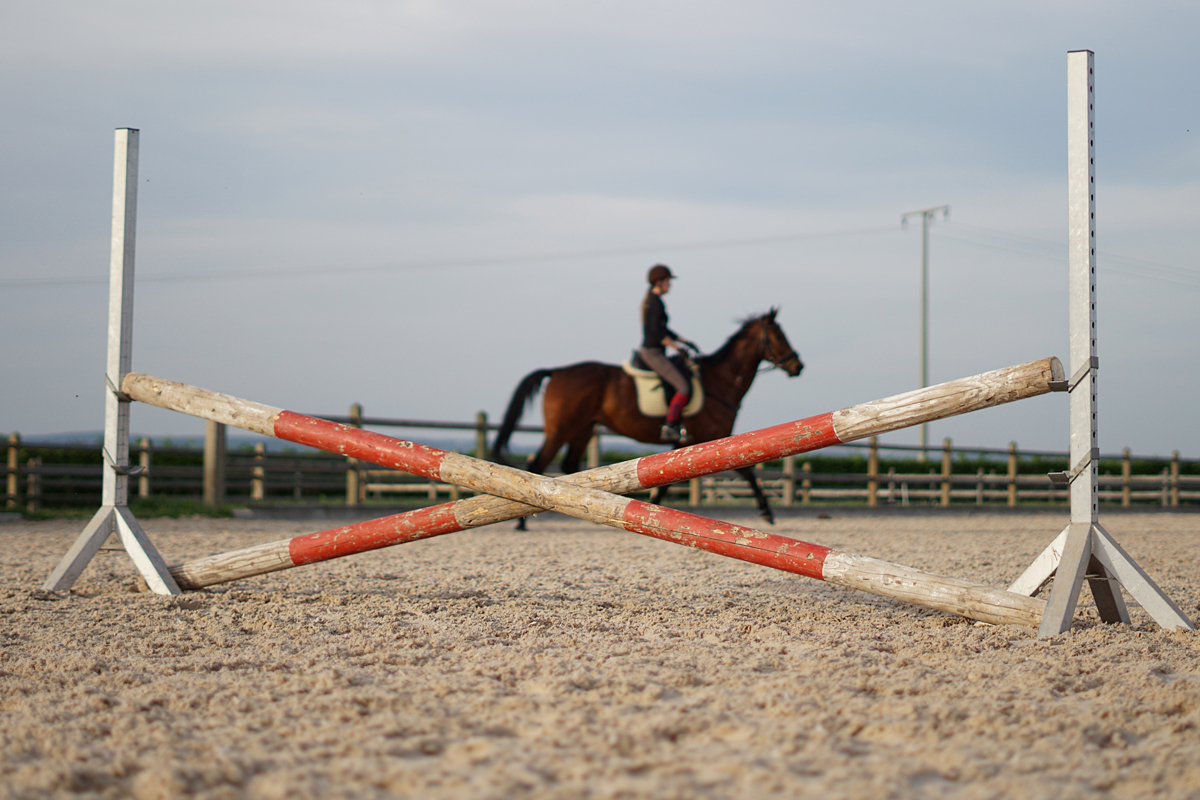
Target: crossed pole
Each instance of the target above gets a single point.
(596, 495)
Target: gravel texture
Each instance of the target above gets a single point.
(574, 661)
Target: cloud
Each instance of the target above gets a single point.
(430, 146)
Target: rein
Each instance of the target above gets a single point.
(771, 365)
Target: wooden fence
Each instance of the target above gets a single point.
(45, 475)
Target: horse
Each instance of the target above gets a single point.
(579, 397)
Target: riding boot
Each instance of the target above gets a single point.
(673, 431)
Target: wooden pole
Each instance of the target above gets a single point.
(575, 495)
(593, 452)
(845, 569)
(1175, 478)
(789, 480)
(481, 430)
(1012, 474)
(873, 473)
(14, 456)
(1126, 478)
(33, 492)
(768, 444)
(947, 472)
(214, 463)
(258, 473)
(144, 461)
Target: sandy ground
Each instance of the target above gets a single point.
(575, 661)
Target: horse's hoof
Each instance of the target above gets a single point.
(520, 524)
(768, 518)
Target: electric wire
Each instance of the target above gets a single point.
(1057, 251)
(465, 262)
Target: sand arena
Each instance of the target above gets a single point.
(577, 661)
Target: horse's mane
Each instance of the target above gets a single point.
(721, 353)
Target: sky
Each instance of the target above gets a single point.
(411, 205)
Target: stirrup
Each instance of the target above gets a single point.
(675, 433)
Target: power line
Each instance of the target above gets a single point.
(985, 237)
(450, 263)
(1046, 249)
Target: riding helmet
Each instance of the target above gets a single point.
(658, 272)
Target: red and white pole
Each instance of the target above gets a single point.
(576, 496)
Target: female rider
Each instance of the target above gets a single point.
(656, 337)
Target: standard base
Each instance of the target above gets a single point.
(1084, 550)
(109, 518)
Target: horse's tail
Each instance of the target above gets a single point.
(527, 389)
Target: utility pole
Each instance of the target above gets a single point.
(927, 216)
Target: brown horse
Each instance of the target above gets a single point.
(581, 396)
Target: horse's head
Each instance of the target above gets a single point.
(776, 348)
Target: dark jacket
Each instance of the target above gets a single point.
(654, 322)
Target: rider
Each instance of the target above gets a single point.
(656, 336)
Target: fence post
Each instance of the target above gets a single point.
(789, 480)
(1166, 486)
(1175, 478)
(214, 463)
(258, 473)
(806, 483)
(1126, 477)
(352, 469)
(891, 494)
(144, 460)
(946, 472)
(694, 493)
(14, 486)
(1012, 474)
(33, 490)
(873, 473)
(979, 487)
(481, 431)
(593, 452)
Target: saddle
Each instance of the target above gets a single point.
(654, 394)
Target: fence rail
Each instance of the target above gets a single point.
(44, 474)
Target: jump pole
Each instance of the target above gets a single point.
(1085, 550)
(857, 422)
(867, 574)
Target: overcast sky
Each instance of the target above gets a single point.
(411, 205)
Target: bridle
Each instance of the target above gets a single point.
(772, 363)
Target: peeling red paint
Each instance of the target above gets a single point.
(352, 442)
(746, 544)
(733, 452)
(373, 534)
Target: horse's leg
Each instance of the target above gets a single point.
(764, 506)
(576, 449)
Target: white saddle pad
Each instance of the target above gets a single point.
(650, 391)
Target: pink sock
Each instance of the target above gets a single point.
(675, 410)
